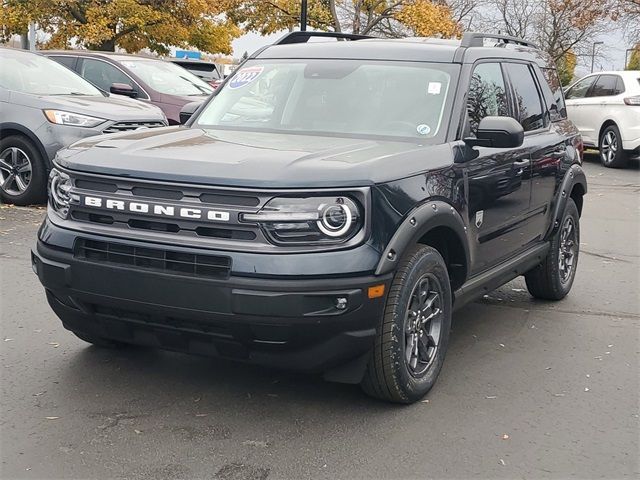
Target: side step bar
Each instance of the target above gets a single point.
(487, 281)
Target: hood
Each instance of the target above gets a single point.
(114, 107)
(247, 159)
(182, 100)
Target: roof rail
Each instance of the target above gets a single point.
(303, 37)
(472, 39)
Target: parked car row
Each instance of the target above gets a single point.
(48, 105)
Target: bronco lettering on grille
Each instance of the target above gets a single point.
(161, 210)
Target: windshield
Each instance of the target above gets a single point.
(166, 77)
(30, 73)
(340, 97)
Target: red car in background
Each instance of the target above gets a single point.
(165, 84)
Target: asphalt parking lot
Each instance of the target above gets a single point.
(529, 390)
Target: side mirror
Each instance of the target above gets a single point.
(123, 89)
(188, 110)
(497, 132)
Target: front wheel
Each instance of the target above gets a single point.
(23, 176)
(553, 278)
(412, 339)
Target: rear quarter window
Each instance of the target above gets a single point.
(555, 104)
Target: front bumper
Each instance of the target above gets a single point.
(285, 322)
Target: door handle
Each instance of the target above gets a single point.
(522, 163)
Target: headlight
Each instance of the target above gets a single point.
(310, 220)
(60, 192)
(73, 119)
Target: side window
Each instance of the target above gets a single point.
(66, 60)
(605, 86)
(620, 85)
(579, 90)
(526, 96)
(557, 108)
(103, 74)
(487, 95)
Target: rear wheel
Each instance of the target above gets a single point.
(553, 278)
(23, 175)
(611, 153)
(412, 339)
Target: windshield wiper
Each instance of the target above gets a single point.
(199, 87)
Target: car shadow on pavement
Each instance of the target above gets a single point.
(153, 378)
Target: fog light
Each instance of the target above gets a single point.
(341, 303)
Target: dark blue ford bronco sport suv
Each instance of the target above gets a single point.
(325, 210)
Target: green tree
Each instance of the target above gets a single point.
(129, 24)
(566, 65)
(634, 59)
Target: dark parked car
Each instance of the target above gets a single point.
(207, 71)
(317, 212)
(161, 83)
(45, 107)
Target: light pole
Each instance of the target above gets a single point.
(303, 16)
(626, 56)
(593, 53)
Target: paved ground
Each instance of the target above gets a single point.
(529, 389)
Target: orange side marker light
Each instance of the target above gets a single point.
(376, 291)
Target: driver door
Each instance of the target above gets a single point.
(499, 180)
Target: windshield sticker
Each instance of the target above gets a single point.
(434, 88)
(245, 76)
(423, 129)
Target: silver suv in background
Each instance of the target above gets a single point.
(44, 107)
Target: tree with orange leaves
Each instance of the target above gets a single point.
(129, 24)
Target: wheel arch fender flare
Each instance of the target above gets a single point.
(574, 176)
(30, 135)
(417, 223)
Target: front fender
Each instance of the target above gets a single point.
(417, 223)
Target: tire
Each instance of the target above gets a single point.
(99, 341)
(611, 153)
(390, 373)
(548, 281)
(23, 174)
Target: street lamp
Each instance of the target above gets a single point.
(303, 16)
(593, 53)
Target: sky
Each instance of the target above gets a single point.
(611, 56)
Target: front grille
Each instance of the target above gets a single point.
(156, 259)
(233, 201)
(128, 126)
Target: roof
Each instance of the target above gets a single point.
(404, 49)
(92, 53)
(190, 60)
(622, 73)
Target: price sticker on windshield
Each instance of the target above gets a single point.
(245, 76)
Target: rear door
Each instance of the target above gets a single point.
(606, 95)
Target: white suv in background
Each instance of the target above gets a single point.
(605, 107)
